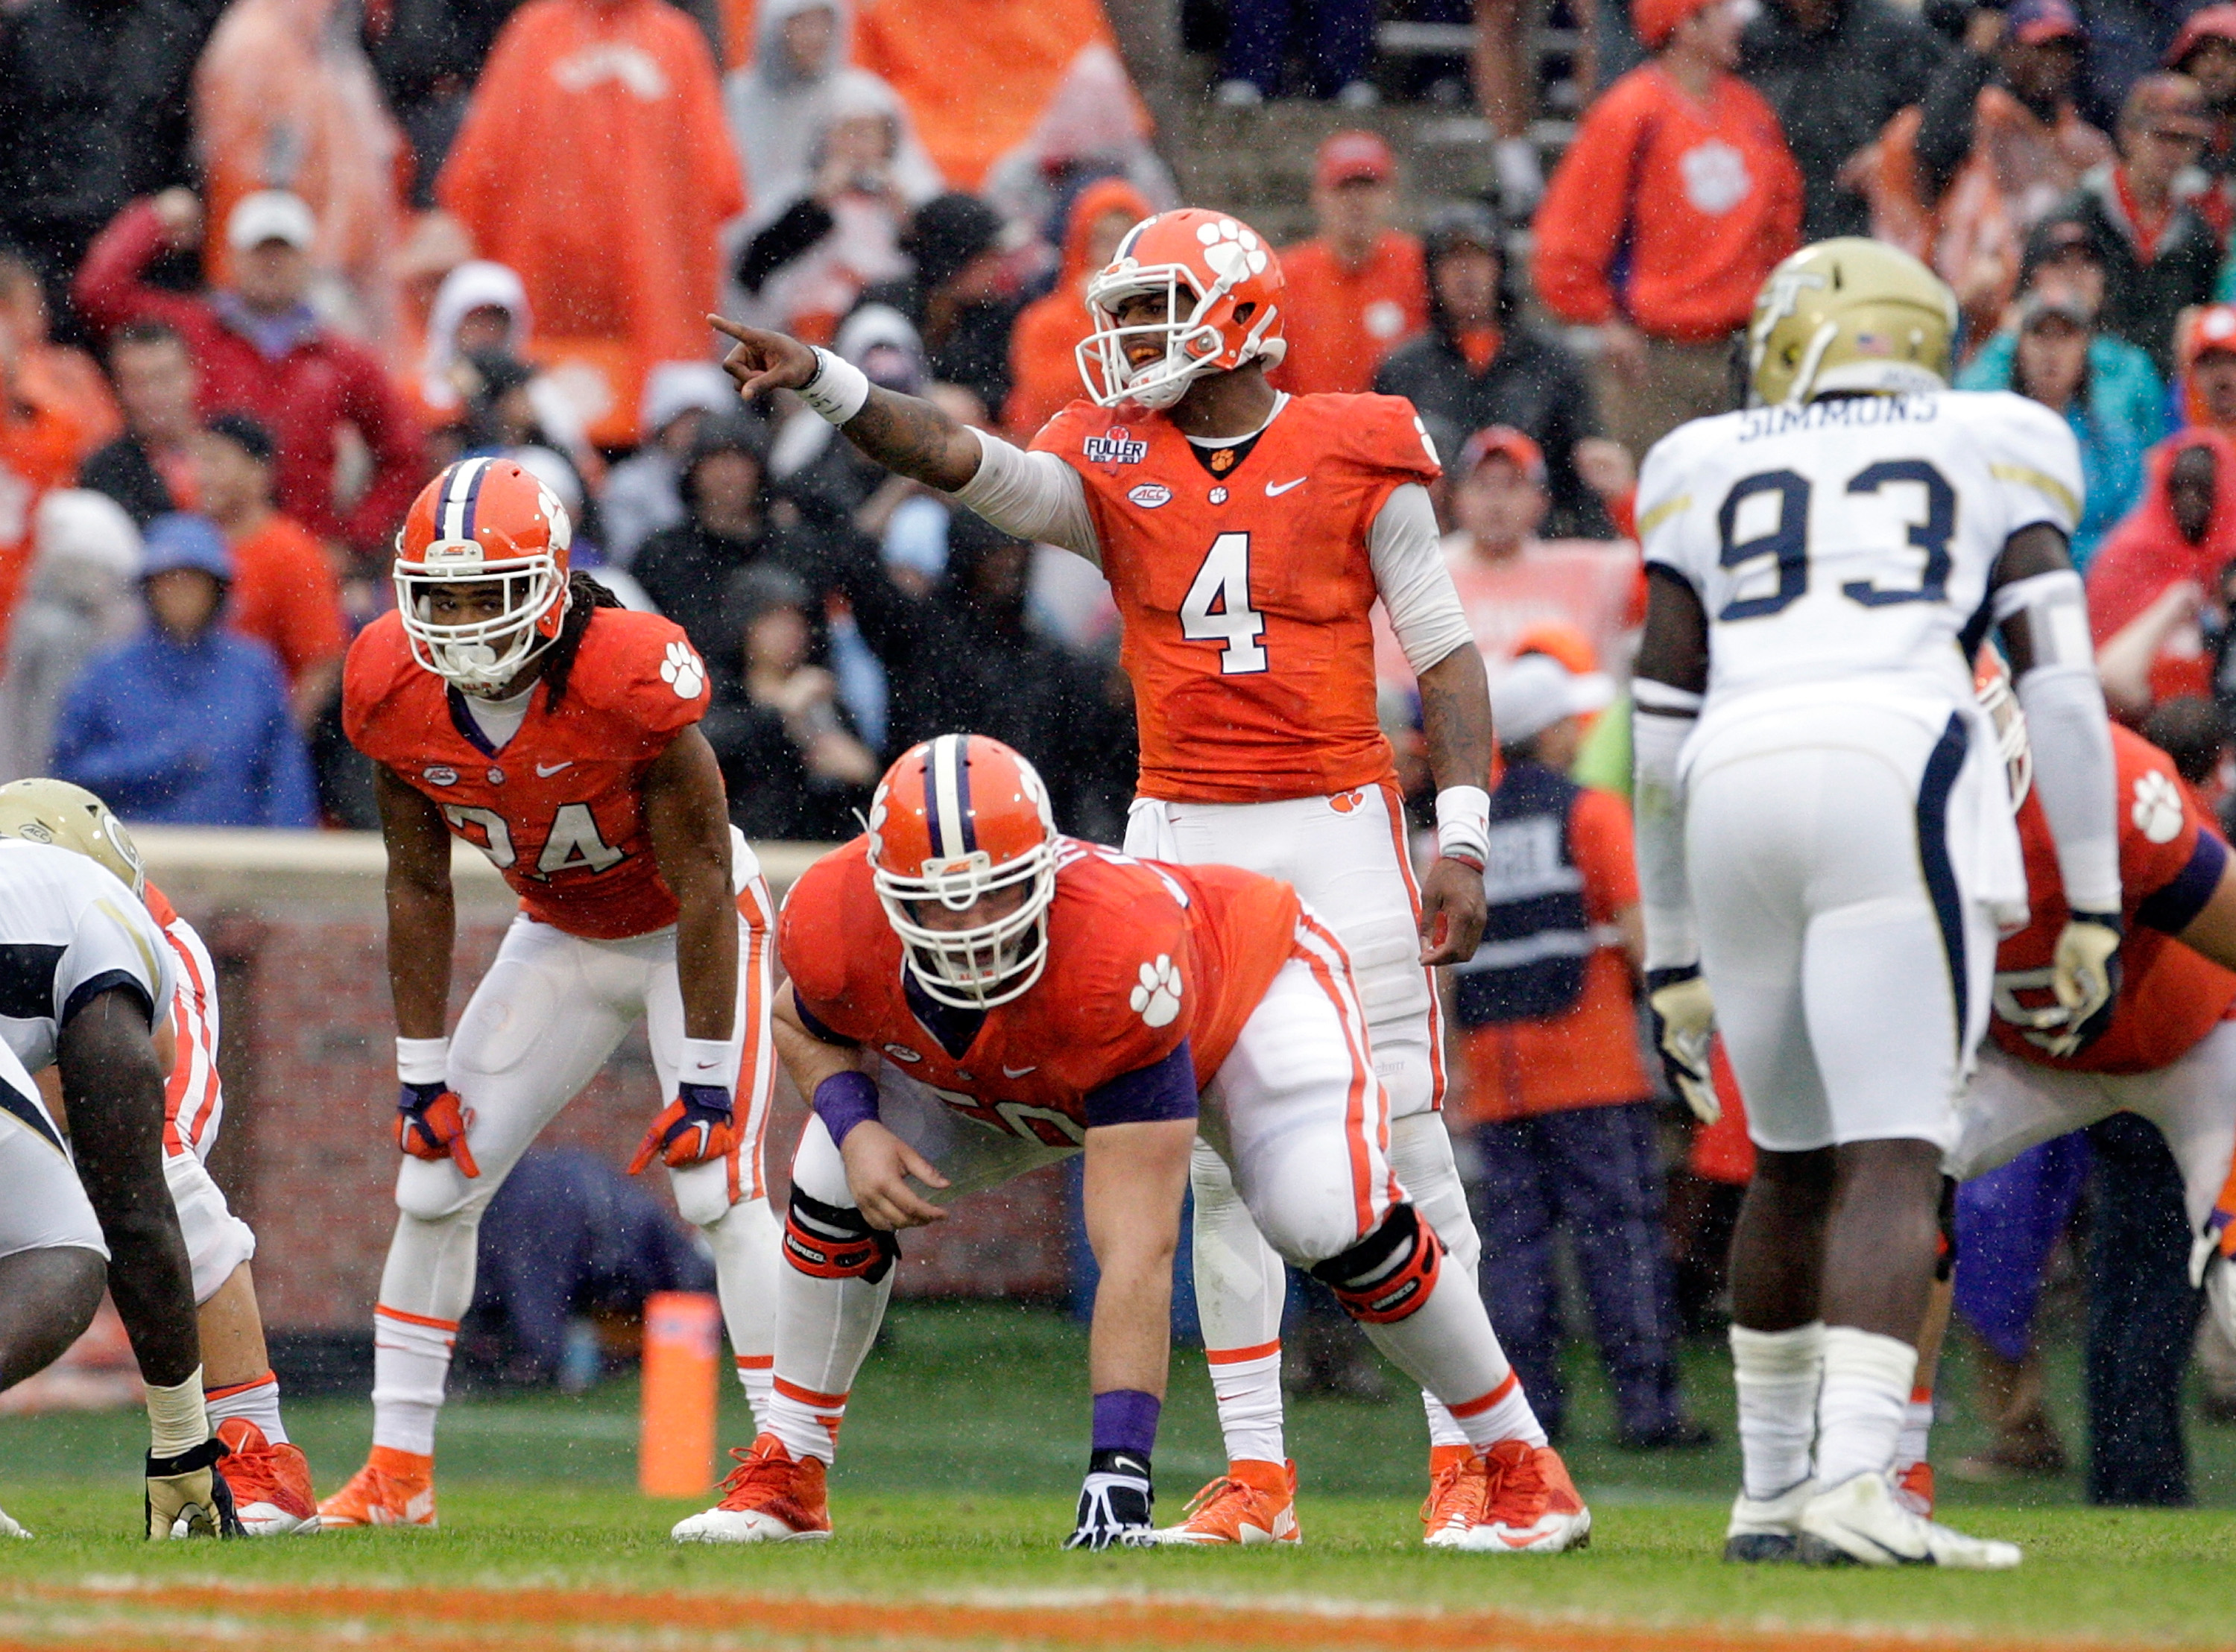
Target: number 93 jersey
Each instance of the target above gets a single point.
(1244, 584)
(559, 808)
(1854, 537)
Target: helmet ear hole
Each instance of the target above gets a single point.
(1243, 312)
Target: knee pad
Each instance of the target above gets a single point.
(432, 1189)
(1945, 1259)
(1386, 1277)
(832, 1242)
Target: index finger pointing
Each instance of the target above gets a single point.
(730, 329)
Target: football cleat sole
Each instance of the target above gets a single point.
(732, 1525)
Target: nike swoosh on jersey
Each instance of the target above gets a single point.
(1274, 490)
(545, 773)
(1009, 1072)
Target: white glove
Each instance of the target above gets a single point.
(2085, 976)
(1684, 1017)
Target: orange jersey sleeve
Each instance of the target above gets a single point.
(559, 809)
(2170, 862)
(1244, 589)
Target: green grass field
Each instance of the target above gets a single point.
(963, 1449)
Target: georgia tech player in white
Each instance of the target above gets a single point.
(1825, 838)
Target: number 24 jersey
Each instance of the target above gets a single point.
(559, 808)
(1854, 537)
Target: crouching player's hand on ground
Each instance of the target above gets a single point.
(1115, 1504)
(187, 1498)
(879, 1166)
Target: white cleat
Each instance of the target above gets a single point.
(8, 1528)
(1858, 1523)
(1765, 1529)
(740, 1525)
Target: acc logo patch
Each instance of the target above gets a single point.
(2157, 811)
(1115, 446)
(902, 1052)
(1150, 494)
(440, 773)
(683, 671)
(1157, 998)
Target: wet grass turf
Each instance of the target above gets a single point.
(963, 1447)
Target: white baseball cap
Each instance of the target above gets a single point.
(272, 215)
(1537, 691)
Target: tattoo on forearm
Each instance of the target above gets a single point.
(907, 434)
(1455, 718)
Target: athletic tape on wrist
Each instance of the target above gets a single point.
(178, 1418)
(1463, 824)
(844, 1100)
(839, 389)
(422, 1060)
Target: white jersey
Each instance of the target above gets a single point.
(69, 932)
(1849, 543)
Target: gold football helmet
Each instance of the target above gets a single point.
(54, 811)
(1851, 315)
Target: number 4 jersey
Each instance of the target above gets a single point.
(1852, 539)
(1244, 580)
(559, 807)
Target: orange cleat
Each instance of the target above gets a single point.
(767, 1498)
(1253, 1501)
(271, 1484)
(1513, 1497)
(1913, 1488)
(393, 1488)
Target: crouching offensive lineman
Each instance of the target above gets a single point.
(972, 997)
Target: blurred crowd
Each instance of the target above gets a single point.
(270, 263)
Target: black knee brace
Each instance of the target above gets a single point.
(832, 1242)
(1387, 1276)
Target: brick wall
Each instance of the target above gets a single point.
(306, 1155)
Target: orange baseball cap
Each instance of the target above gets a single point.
(1348, 157)
(1656, 20)
(2213, 328)
(1504, 441)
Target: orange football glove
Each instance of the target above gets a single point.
(696, 1127)
(431, 1124)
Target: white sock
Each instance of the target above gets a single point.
(257, 1402)
(410, 1359)
(1447, 1346)
(1240, 1289)
(1909, 1446)
(748, 1243)
(1778, 1374)
(1867, 1381)
(1421, 1156)
(1249, 1394)
(806, 1421)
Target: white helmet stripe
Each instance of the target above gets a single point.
(457, 499)
(945, 793)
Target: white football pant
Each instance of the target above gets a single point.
(1346, 856)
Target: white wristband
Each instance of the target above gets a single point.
(837, 389)
(178, 1418)
(1463, 822)
(707, 1061)
(422, 1060)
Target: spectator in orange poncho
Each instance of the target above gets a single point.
(285, 99)
(595, 162)
(978, 75)
(1044, 365)
(2162, 572)
(50, 374)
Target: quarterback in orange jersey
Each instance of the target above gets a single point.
(972, 997)
(1247, 536)
(268, 1475)
(508, 704)
(2165, 1047)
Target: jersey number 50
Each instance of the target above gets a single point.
(1788, 542)
(1217, 607)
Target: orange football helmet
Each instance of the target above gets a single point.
(1991, 685)
(954, 820)
(1221, 285)
(483, 522)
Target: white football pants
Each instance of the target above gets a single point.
(1346, 856)
(540, 1024)
(43, 1204)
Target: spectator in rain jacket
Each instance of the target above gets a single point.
(188, 724)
